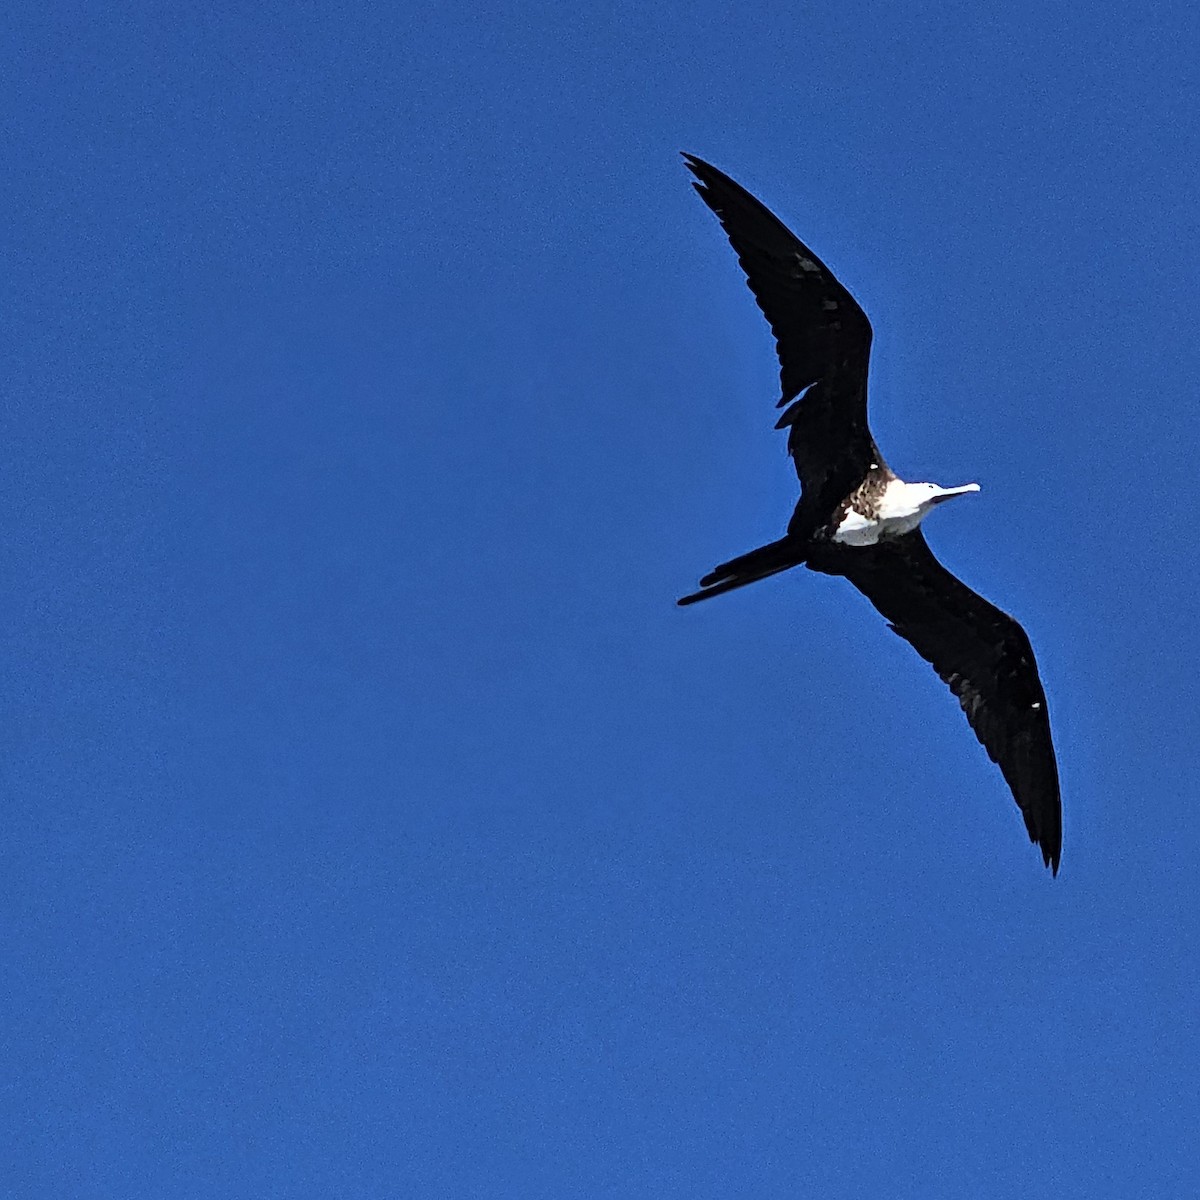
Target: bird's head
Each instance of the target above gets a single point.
(935, 495)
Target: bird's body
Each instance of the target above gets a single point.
(857, 519)
(889, 507)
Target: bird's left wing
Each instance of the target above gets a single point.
(981, 653)
(822, 338)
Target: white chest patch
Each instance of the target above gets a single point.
(898, 511)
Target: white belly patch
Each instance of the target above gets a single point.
(857, 530)
(898, 511)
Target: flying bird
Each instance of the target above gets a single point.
(856, 518)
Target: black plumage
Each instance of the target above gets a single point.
(823, 340)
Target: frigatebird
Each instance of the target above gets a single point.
(856, 518)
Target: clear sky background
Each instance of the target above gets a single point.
(375, 825)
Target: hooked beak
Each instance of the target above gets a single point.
(950, 493)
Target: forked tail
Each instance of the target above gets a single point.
(749, 568)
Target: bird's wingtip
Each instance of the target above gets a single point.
(1051, 852)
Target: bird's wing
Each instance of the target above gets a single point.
(981, 653)
(822, 337)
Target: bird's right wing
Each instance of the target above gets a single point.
(822, 337)
(980, 652)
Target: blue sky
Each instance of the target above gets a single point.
(376, 826)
